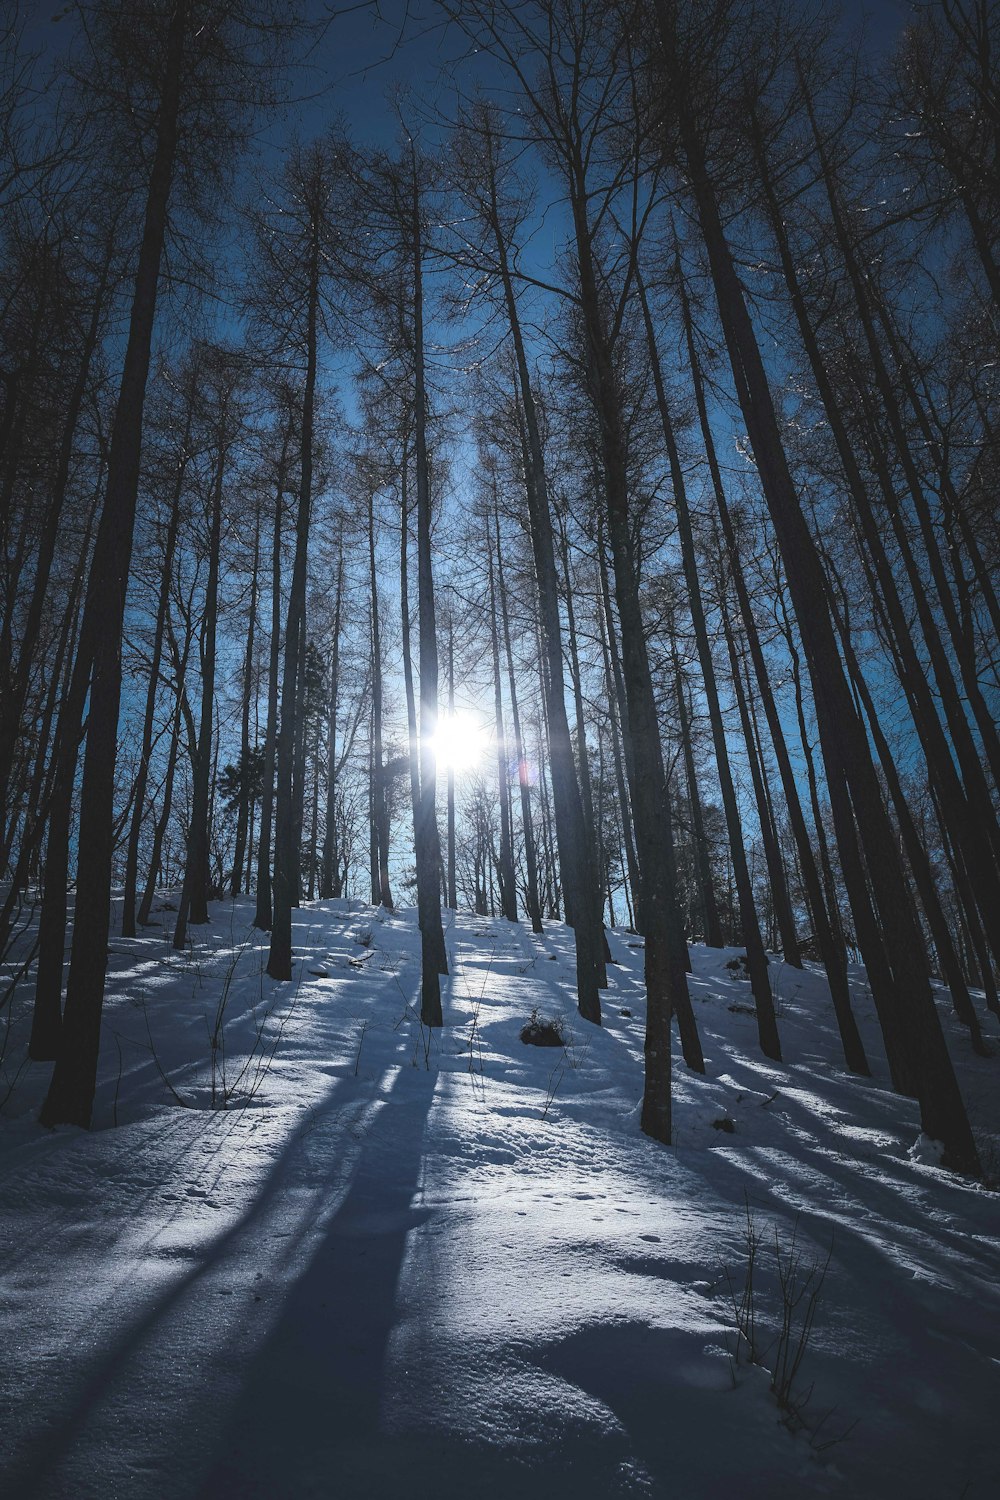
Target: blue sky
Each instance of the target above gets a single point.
(372, 49)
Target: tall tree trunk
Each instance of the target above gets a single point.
(583, 754)
(329, 872)
(508, 884)
(373, 878)
(285, 881)
(299, 765)
(580, 882)
(523, 773)
(264, 911)
(163, 604)
(624, 768)
(246, 782)
(46, 1020)
(314, 817)
(970, 819)
(160, 827)
(452, 852)
(381, 890)
(71, 1091)
(760, 982)
(710, 907)
(428, 847)
(831, 946)
(921, 1051)
(14, 683)
(758, 773)
(865, 297)
(193, 904)
(916, 851)
(413, 737)
(665, 950)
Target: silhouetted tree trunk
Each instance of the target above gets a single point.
(163, 819)
(767, 1026)
(831, 946)
(46, 1019)
(428, 848)
(285, 881)
(381, 890)
(14, 681)
(163, 604)
(867, 303)
(580, 882)
(758, 773)
(523, 775)
(263, 913)
(413, 738)
(452, 873)
(71, 1091)
(582, 752)
(508, 885)
(624, 770)
(919, 1046)
(916, 853)
(970, 820)
(329, 878)
(247, 790)
(193, 904)
(710, 908)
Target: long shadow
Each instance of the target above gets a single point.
(664, 1394)
(34, 1473)
(309, 1409)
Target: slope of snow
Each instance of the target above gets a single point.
(437, 1264)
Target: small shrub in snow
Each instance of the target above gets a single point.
(538, 1031)
(799, 1287)
(725, 1124)
(739, 966)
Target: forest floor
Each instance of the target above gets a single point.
(404, 1263)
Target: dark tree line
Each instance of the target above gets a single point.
(694, 512)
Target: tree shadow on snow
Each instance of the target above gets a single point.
(319, 1369)
(310, 1399)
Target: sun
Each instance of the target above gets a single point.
(459, 742)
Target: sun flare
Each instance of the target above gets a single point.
(459, 742)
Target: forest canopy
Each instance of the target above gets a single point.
(568, 494)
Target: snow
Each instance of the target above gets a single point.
(441, 1264)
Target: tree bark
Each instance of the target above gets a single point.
(330, 866)
(381, 889)
(247, 787)
(580, 882)
(921, 1050)
(193, 904)
(532, 900)
(71, 1091)
(508, 884)
(434, 961)
(285, 881)
(264, 911)
(767, 1026)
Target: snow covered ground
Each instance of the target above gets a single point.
(404, 1263)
